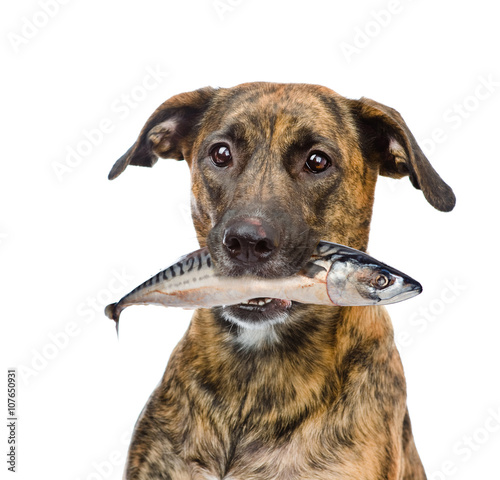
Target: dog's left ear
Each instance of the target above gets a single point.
(386, 139)
(168, 131)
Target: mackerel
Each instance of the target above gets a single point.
(334, 275)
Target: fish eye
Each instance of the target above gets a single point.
(381, 281)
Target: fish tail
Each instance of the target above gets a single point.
(111, 313)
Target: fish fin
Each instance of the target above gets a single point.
(311, 269)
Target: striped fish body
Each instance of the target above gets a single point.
(193, 282)
(334, 275)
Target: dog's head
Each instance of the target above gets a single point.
(277, 167)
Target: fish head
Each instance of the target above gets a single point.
(358, 280)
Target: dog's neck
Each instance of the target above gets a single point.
(311, 324)
(298, 363)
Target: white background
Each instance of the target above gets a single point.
(71, 241)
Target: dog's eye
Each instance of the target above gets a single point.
(317, 162)
(221, 155)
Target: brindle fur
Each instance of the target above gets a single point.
(322, 395)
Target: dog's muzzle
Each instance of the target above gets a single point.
(250, 245)
(250, 241)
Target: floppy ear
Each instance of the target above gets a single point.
(386, 139)
(168, 131)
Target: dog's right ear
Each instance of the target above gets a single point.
(168, 131)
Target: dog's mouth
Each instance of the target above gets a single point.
(245, 245)
(265, 304)
(258, 312)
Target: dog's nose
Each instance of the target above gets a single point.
(250, 240)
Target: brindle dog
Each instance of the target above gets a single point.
(273, 389)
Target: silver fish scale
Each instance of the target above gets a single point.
(195, 260)
(195, 274)
(326, 250)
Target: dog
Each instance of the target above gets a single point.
(271, 389)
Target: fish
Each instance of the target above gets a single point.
(335, 275)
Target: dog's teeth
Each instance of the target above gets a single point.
(258, 301)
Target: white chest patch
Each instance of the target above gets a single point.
(256, 337)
